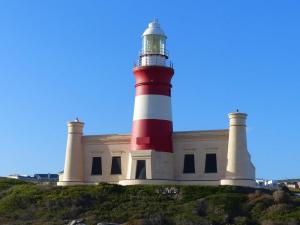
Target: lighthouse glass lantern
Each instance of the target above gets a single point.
(154, 46)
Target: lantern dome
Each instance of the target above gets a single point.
(154, 29)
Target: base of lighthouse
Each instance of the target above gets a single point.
(198, 158)
(149, 166)
(239, 182)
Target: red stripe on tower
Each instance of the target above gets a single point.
(152, 120)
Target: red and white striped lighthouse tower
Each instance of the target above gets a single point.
(152, 120)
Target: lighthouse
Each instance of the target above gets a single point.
(151, 147)
(153, 153)
(152, 119)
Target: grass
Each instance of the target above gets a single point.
(27, 203)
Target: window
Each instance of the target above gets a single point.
(140, 169)
(116, 167)
(97, 166)
(211, 163)
(189, 164)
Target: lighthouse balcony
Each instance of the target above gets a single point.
(153, 60)
(162, 52)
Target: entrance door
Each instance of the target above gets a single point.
(140, 169)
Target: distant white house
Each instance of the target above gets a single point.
(263, 183)
(292, 184)
(48, 177)
(21, 177)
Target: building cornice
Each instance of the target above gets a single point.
(203, 135)
(107, 139)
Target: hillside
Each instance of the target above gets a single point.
(26, 203)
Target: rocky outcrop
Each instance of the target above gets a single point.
(77, 222)
(103, 223)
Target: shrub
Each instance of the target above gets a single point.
(201, 207)
(279, 209)
(270, 222)
(293, 221)
(241, 220)
(23, 203)
(281, 196)
(265, 199)
(258, 203)
(222, 208)
(187, 220)
(275, 222)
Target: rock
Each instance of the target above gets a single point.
(77, 222)
(104, 223)
(138, 222)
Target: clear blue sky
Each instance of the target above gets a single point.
(62, 59)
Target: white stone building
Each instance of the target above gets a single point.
(153, 153)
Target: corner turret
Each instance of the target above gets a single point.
(73, 170)
(239, 171)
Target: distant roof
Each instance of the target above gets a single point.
(46, 176)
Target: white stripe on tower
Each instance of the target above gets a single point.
(152, 107)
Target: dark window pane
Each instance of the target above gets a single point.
(97, 166)
(116, 167)
(211, 163)
(189, 164)
(140, 169)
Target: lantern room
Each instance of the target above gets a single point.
(154, 46)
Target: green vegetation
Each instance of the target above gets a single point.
(294, 190)
(26, 203)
